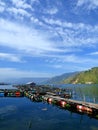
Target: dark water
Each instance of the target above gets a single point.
(22, 114)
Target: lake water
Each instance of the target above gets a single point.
(22, 114)
(7, 87)
(82, 92)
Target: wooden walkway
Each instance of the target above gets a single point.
(54, 97)
(87, 104)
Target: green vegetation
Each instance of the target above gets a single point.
(59, 79)
(89, 91)
(85, 77)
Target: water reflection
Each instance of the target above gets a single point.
(28, 115)
(21, 113)
(84, 92)
(87, 93)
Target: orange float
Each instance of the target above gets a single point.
(80, 108)
(84, 108)
(17, 94)
(89, 110)
(49, 100)
(62, 103)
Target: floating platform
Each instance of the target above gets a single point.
(11, 93)
(91, 109)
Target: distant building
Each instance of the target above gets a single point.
(89, 82)
(31, 83)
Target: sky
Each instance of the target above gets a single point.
(45, 38)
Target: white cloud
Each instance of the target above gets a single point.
(65, 24)
(32, 1)
(73, 34)
(19, 9)
(57, 66)
(1, 9)
(2, 3)
(51, 11)
(16, 12)
(9, 57)
(64, 58)
(37, 43)
(2, 6)
(36, 21)
(89, 4)
(21, 4)
(94, 53)
(81, 2)
(23, 38)
(13, 73)
(70, 58)
(52, 21)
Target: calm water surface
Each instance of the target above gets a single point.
(7, 87)
(22, 114)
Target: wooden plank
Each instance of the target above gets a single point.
(91, 105)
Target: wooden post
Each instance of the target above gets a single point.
(84, 98)
(94, 99)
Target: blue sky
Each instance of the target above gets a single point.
(44, 38)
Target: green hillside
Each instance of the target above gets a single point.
(85, 77)
(59, 79)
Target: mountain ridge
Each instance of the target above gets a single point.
(59, 79)
(85, 77)
(89, 76)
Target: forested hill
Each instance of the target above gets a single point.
(59, 79)
(84, 77)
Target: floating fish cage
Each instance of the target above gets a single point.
(62, 102)
(67, 105)
(11, 93)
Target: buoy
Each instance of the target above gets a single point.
(17, 94)
(96, 116)
(62, 103)
(80, 108)
(32, 97)
(89, 110)
(26, 94)
(45, 98)
(10, 94)
(49, 100)
(68, 105)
